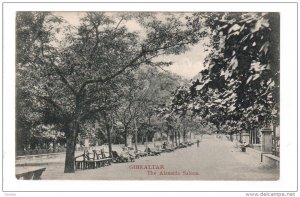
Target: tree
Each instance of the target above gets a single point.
(128, 111)
(64, 73)
(31, 31)
(240, 85)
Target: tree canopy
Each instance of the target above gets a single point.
(64, 71)
(239, 87)
(104, 78)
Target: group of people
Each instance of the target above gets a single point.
(127, 153)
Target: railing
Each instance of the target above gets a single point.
(48, 151)
(40, 151)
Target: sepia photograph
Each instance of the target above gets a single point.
(147, 96)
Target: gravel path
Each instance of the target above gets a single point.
(215, 159)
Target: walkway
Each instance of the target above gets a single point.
(215, 159)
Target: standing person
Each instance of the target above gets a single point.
(198, 142)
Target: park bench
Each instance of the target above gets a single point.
(29, 173)
(102, 158)
(181, 145)
(87, 162)
(152, 151)
(129, 153)
(125, 157)
(169, 148)
(135, 153)
(141, 153)
(160, 148)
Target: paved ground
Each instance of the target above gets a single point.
(215, 159)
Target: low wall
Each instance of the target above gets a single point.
(266, 158)
(271, 160)
(41, 156)
(60, 157)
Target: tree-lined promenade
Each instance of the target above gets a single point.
(189, 163)
(105, 78)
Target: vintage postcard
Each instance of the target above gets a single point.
(147, 95)
(190, 98)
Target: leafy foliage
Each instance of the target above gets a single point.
(70, 75)
(239, 88)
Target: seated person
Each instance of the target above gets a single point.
(148, 150)
(164, 145)
(96, 156)
(246, 144)
(86, 155)
(124, 154)
(102, 153)
(131, 154)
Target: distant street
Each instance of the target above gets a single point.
(215, 159)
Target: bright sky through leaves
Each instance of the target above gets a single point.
(186, 65)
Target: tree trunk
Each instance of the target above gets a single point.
(184, 135)
(109, 141)
(125, 136)
(176, 138)
(168, 136)
(114, 138)
(108, 133)
(172, 135)
(71, 136)
(136, 135)
(149, 121)
(275, 140)
(218, 129)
